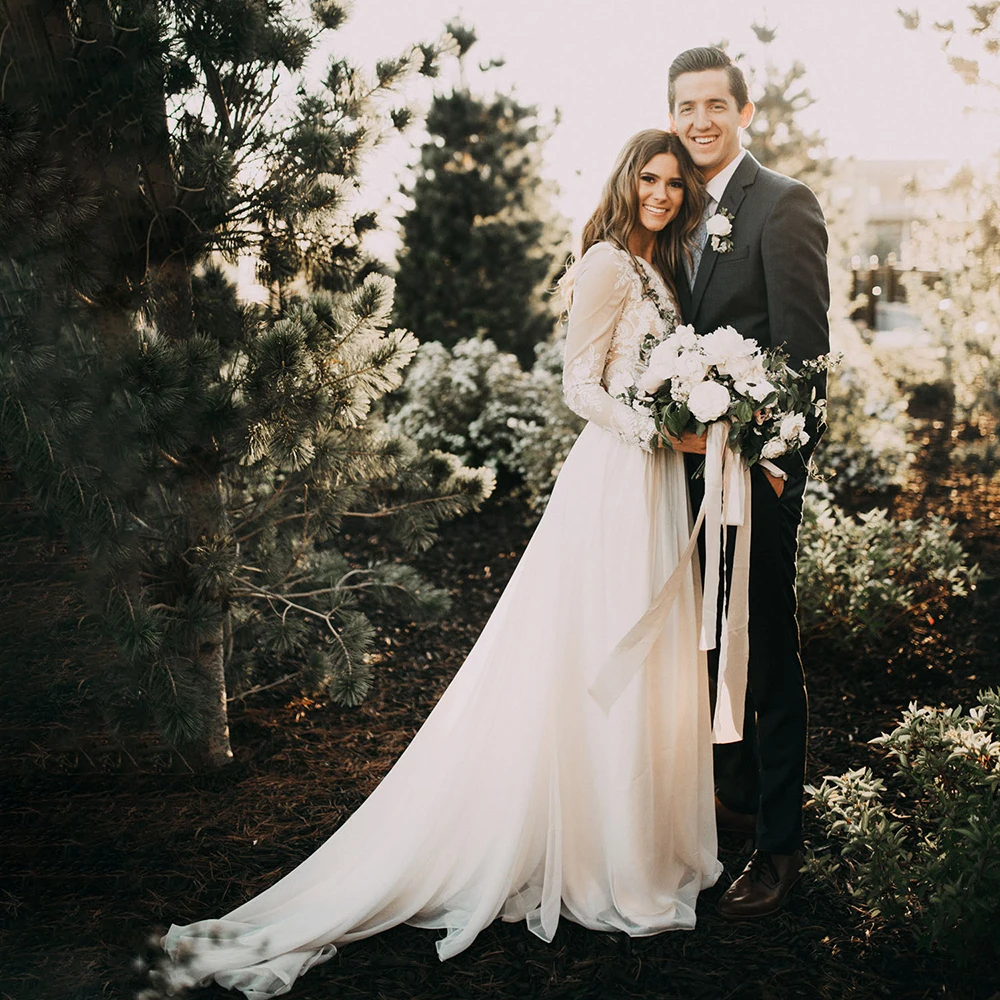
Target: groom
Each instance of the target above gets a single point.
(768, 279)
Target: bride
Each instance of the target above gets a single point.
(520, 797)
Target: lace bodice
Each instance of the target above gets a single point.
(612, 328)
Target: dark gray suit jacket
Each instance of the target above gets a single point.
(773, 285)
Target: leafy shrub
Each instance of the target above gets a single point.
(476, 402)
(866, 444)
(861, 577)
(927, 861)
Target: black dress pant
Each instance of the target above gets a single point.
(764, 773)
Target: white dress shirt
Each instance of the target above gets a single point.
(716, 187)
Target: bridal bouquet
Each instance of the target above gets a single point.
(692, 381)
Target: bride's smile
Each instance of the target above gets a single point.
(661, 192)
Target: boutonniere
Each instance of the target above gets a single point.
(720, 228)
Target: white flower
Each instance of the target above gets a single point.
(758, 391)
(650, 381)
(774, 448)
(708, 401)
(738, 369)
(683, 336)
(746, 370)
(792, 428)
(692, 365)
(680, 389)
(718, 225)
(663, 361)
(726, 345)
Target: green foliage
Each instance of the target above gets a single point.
(925, 861)
(960, 303)
(207, 452)
(866, 445)
(960, 241)
(481, 243)
(861, 578)
(977, 34)
(777, 138)
(477, 402)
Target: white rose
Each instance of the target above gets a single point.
(663, 360)
(683, 336)
(650, 381)
(757, 372)
(692, 365)
(803, 438)
(708, 401)
(757, 390)
(774, 448)
(718, 225)
(725, 344)
(738, 369)
(792, 427)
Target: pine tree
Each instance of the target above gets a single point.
(481, 244)
(962, 43)
(204, 451)
(777, 137)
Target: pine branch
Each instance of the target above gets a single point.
(389, 511)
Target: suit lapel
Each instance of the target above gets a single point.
(732, 198)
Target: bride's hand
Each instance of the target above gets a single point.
(689, 442)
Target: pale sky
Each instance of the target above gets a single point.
(882, 92)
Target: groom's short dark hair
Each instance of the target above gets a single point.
(700, 59)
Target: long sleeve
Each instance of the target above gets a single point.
(794, 245)
(599, 294)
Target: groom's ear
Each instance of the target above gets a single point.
(673, 125)
(746, 115)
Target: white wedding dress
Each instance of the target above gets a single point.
(519, 797)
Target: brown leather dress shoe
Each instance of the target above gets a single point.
(762, 887)
(734, 822)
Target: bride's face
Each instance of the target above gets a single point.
(661, 192)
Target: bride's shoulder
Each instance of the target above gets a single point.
(604, 251)
(606, 259)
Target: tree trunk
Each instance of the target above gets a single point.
(171, 303)
(205, 517)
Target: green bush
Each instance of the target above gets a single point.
(866, 444)
(925, 861)
(475, 401)
(862, 577)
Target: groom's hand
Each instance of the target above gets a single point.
(777, 484)
(689, 442)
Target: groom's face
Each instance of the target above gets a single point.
(707, 119)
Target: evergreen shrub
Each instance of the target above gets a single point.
(861, 578)
(865, 447)
(476, 402)
(921, 857)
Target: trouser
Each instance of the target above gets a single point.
(765, 771)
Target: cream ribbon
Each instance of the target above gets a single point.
(726, 502)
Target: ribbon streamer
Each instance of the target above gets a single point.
(726, 502)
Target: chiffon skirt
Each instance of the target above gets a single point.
(519, 797)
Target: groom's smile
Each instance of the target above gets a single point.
(708, 119)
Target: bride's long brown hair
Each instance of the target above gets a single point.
(617, 214)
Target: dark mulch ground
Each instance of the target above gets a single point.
(100, 846)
